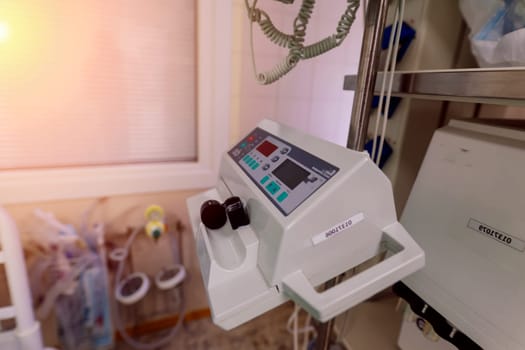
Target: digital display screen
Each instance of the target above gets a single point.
(290, 174)
(266, 148)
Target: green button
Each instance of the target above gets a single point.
(273, 188)
(252, 163)
(255, 166)
(282, 197)
(264, 179)
(246, 157)
(243, 145)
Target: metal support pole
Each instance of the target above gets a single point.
(326, 329)
(366, 78)
(368, 63)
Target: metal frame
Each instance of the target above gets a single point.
(366, 79)
(495, 85)
(503, 86)
(376, 13)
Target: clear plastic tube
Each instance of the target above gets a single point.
(62, 285)
(118, 321)
(399, 25)
(292, 326)
(382, 91)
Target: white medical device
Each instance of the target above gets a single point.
(467, 211)
(315, 210)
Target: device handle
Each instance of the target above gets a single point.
(328, 304)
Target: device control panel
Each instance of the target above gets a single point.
(285, 173)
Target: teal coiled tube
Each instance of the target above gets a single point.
(295, 42)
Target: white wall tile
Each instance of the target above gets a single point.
(249, 86)
(294, 112)
(297, 83)
(327, 80)
(330, 119)
(253, 110)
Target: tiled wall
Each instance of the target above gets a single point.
(310, 97)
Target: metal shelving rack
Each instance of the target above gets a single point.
(374, 25)
(503, 86)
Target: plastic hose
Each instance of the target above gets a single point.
(118, 322)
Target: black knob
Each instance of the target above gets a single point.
(236, 213)
(213, 215)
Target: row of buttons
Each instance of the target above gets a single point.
(273, 188)
(252, 163)
(267, 166)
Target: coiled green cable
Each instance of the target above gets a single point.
(295, 42)
(274, 34)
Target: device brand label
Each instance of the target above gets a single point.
(337, 229)
(497, 235)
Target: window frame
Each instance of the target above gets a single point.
(213, 126)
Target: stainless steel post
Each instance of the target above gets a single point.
(368, 63)
(366, 77)
(326, 329)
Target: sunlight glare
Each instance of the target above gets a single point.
(4, 32)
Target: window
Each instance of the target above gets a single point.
(102, 98)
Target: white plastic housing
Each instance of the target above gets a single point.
(255, 268)
(466, 210)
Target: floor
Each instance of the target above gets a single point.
(373, 325)
(267, 331)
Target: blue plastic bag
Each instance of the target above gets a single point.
(497, 31)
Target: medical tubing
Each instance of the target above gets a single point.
(279, 70)
(254, 17)
(320, 47)
(295, 45)
(154, 345)
(399, 24)
(127, 338)
(332, 41)
(295, 42)
(36, 274)
(301, 21)
(252, 11)
(292, 326)
(296, 328)
(346, 20)
(63, 284)
(309, 328)
(86, 215)
(272, 33)
(382, 91)
(52, 221)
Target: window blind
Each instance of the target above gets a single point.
(97, 82)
